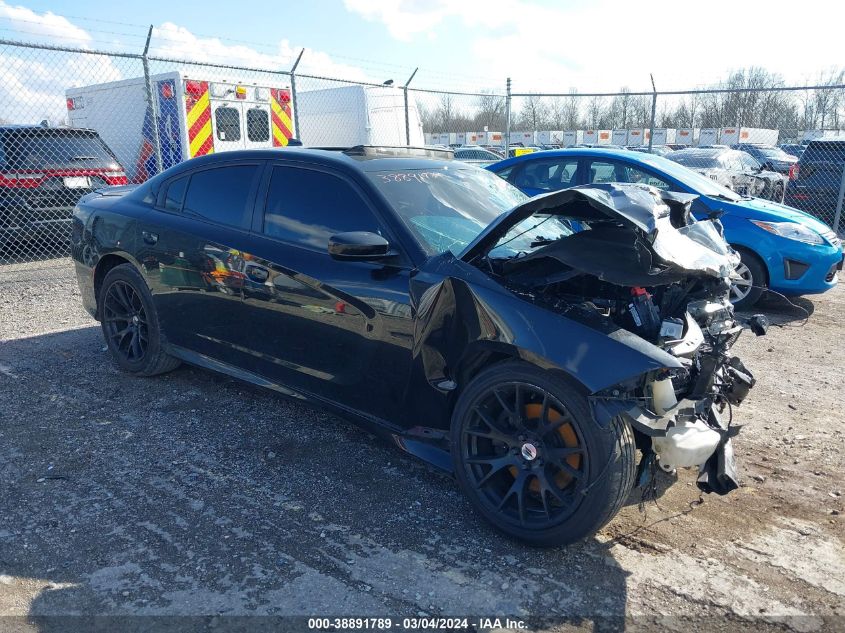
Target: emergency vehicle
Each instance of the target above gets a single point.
(195, 117)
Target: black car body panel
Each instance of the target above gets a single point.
(391, 342)
(817, 181)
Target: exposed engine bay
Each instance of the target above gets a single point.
(632, 258)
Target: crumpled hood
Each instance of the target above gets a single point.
(678, 244)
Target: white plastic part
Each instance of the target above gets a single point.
(663, 395)
(686, 444)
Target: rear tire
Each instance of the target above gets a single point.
(532, 460)
(745, 295)
(130, 324)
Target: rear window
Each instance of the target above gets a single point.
(257, 125)
(56, 149)
(228, 124)
(827, 151)
(696, 160)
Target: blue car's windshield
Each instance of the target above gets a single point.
(446, 207)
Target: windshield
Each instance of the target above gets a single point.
(700, 161)
(694, 181)
(773, 152)
(446, 207)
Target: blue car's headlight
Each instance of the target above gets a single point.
(791, 231)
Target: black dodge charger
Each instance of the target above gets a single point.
(550, 352)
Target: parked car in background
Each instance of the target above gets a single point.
(817, 179)
(44, 171)
(659, 150)
(738, 171)
(423, 299)
(770, 158)
(476, 155)
(781, 248)
(793, 149)
(495, 149)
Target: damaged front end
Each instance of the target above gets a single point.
(633, 257)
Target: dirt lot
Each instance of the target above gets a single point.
(195, 494)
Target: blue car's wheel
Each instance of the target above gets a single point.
(747, 290)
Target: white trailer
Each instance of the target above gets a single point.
(597, 137)
(470, 138)
(496, 139)
(708, 136)
(524, 138)
(357, 115)
(427, 137)
(573, 137)
(636, 137)
(195, 115)
(818, 135)
(619, 137)
(663, 136)
(549, 137)
(686, 136)
(461, 138)
(734, 135)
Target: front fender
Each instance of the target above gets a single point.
(462, 312)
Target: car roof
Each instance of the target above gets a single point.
(350, 158)
(575, 151)
(33, 127)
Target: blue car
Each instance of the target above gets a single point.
(781, 248)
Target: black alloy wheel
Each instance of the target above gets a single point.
(525, 454)
(130, 323)
(125, 321)
(531, 458)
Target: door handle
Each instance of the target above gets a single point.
(149, 238)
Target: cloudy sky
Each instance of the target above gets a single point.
(596, 45)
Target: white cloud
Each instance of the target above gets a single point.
(48, 25)
(177, 42)
(603, 45)
(33, 81)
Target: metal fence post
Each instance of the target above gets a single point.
(653, 113)
(293, 97)
(151, 103)
(507, 115)
(407, 115)
(837, 216)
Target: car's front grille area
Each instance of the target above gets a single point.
(831, 274)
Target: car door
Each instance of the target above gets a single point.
(192, 253)
(537, 176)
(340, 330)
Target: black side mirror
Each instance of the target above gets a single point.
(359, 245)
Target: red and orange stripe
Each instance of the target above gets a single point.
(198, 109)
(282, 125)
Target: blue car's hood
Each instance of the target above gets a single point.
(769, 211)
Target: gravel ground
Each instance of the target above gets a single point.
(193, 494)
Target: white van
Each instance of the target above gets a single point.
(356, 115)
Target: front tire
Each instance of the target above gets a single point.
(745, 293)
(130, 324)
(532, 460)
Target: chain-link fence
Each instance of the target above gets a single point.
(74, 120)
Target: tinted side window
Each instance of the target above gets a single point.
(632, 174)
(257, 125)
(602, 171)
(548, 175)
(228, 124)
(222, 194)
(175, 194)
(307, 207)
